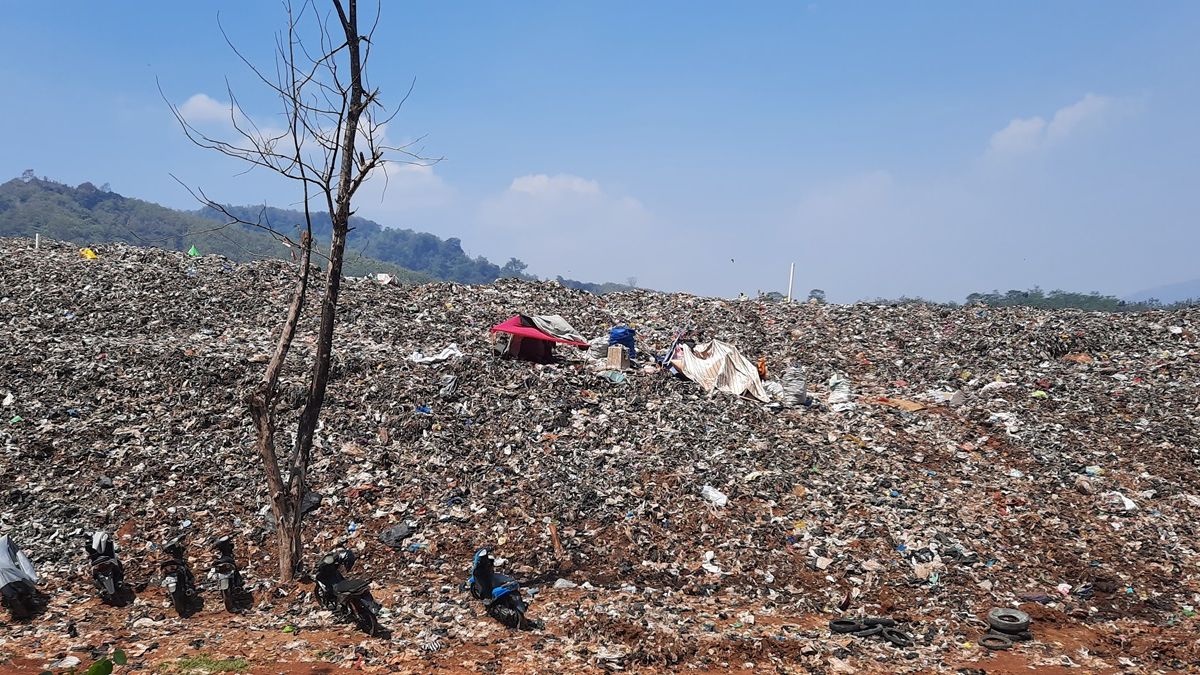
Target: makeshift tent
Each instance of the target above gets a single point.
(520, 337)
(719, 365)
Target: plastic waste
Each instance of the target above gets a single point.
(714, 496)
(795, 387)
(626, 337)
(1116, 502)
(840, 393)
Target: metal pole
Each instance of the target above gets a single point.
(791, 275)
(37, 241)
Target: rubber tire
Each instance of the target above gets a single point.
(370, 625)
(868, 631)
(230, 601)
(1023, 636)
(995, 642)
(1008, 620)
(845, 626)
(897, 637)
(364, 618)
(879, 621)
(180, 600)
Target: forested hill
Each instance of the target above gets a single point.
(87, 214)
(418, 251)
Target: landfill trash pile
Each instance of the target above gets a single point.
(945, 462)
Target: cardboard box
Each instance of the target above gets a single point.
(618, 357)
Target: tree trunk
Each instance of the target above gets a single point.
(261, 402)
(315, 103)
(340, 220)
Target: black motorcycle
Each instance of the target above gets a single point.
(18, 580)
(107, 572)
(229, 577)
(349, 598)
(177, 576)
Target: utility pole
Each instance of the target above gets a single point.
(791, 275)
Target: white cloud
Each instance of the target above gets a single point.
(1024, 135)
(554, 186)
(398, 187)
(1086, 112)
(1020, 136)
(568, 225)
(200, 108)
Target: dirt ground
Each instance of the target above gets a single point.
(266, 644)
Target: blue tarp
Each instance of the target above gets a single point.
(625, 336)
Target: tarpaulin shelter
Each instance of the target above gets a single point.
(532, 338)
(719, 365)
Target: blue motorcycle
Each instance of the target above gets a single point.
(501, 595)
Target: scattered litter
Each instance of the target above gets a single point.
(133, 371)
(714, 496)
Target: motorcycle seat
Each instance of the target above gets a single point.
(351, 586)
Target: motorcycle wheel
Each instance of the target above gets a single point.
(20, 607)
(363, 616)
(181, 602)
(507, 615)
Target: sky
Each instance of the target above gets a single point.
(886, 148)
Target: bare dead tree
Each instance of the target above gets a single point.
(333, 140)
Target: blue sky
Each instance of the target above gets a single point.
(929, 148)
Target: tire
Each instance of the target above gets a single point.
(845, 626)
(363, 617)
(18, 607)
(507, 615)
(180, 601)
(995, 642)
(1008, 620)
(230, 602)
(868, 631)
(897, 637)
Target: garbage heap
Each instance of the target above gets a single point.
(963, 458)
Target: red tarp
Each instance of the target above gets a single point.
(513, 326)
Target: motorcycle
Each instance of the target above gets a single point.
(18, 580)
(349, 598)
(229, 577)
(177, 576)
(501, 595)
(107, 572)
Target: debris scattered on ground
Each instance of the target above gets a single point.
(121, 380)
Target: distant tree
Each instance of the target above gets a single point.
(513, 268)
(631, 282)
(817, 295)
(1093, 301)
(106, 188)
(27, 175)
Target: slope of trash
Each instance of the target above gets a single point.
(967, 458)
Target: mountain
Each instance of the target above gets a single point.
(1184, 290)
(421, 252)
(87, 214)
